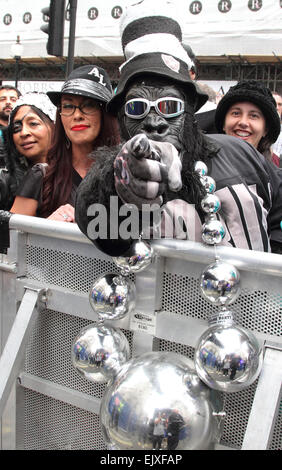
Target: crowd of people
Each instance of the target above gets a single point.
(48, 142)
(62, 151)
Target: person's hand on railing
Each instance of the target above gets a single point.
(64, 213)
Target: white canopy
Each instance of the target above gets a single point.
(211, 27)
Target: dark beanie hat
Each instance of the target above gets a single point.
(151, 38)
(254, 92)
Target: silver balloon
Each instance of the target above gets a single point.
(208, 183)
(140, 257)
(210, 204)
(112, 297)
(213, 232)
(220, 283)
(228, 357)
(99, 352)
(162, 389)
(201, 168)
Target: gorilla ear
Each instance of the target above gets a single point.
(196, 102)
(122, 126)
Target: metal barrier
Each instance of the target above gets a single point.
(45, 280)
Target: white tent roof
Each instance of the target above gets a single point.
(210, 27)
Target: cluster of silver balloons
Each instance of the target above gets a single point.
(227, 357)
(154, 389)
(213, 230)
(158, 402)
(162, 400)
(100, 350)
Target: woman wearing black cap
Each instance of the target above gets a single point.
(248, 112)
(82, 125)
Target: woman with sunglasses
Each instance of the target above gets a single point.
(82, 125)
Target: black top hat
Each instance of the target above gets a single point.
(151, 38)
(254, 92)
(89, 80)
(156, 65)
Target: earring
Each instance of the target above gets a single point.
(68, 142)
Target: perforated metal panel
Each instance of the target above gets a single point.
(50, 424)
(259, 311)
(66, 269)
(255, 310)
(48, 354)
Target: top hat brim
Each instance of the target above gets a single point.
(153, 65)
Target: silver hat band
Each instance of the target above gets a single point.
(97, 90)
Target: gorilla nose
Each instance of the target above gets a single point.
(155, 126)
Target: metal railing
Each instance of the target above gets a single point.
(44, 283)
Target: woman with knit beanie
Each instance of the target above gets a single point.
(248, 112)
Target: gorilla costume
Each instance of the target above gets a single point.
(156, 102)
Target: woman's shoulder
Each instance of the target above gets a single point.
(32, 181)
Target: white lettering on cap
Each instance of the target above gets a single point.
(97, 74)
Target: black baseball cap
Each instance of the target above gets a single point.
(89, 80)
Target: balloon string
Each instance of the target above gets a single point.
(216, 255)
(100, 321)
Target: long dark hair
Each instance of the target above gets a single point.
(196, 146)
(264, 147)
(57, 184)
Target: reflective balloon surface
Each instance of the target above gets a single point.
(228, 358)
(220, 283)
(210, 204)
(157, 401)
(141, 256)
(112, 297)
(98, 352)
(201, 168)
(208, 183)
(213, 232)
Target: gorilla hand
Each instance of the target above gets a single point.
(143, 170)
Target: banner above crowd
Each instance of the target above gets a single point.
(211, 27)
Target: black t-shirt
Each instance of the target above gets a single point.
(32, 184)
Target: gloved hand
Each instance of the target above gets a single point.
(144, 169)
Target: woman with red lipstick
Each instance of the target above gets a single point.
(82, 125)
(29, 135)
(248, 112)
